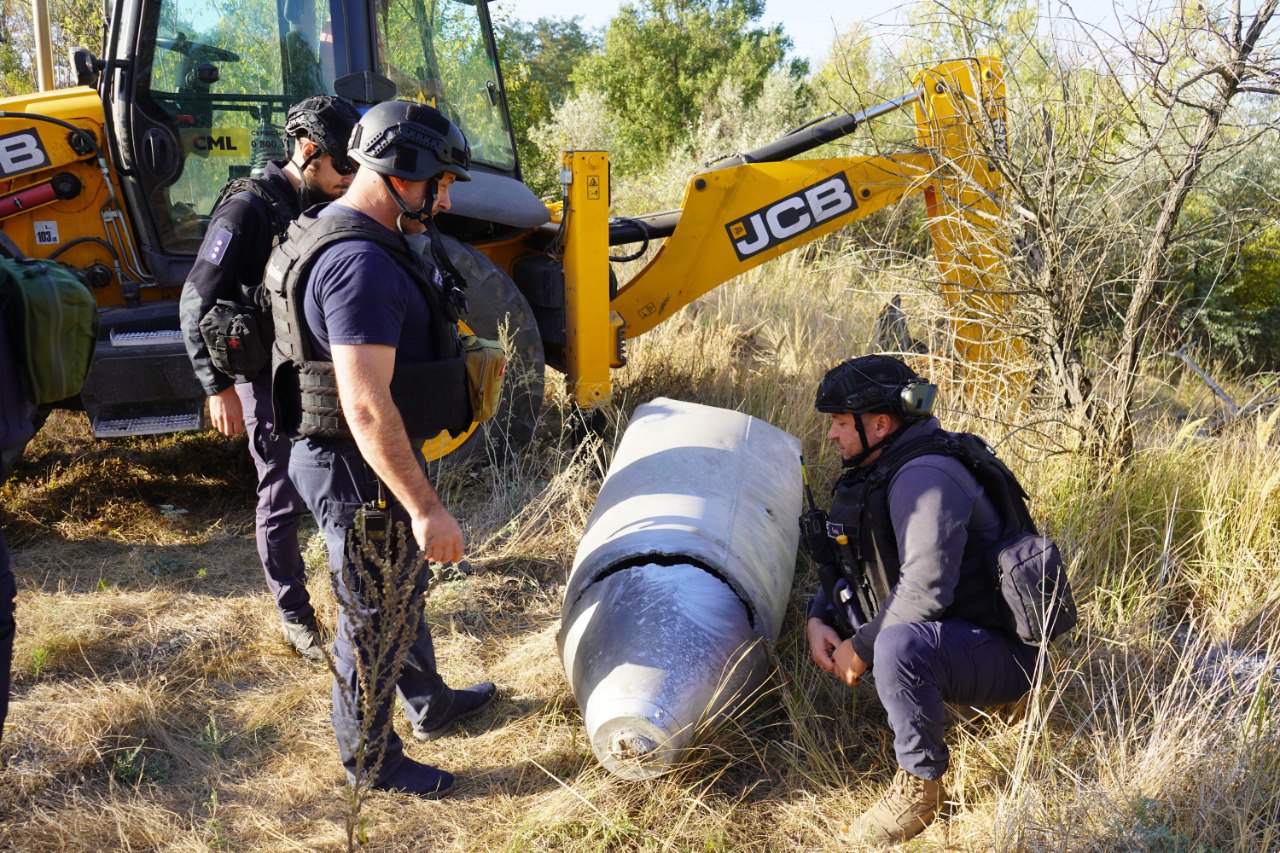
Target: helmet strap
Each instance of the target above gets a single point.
(305, 194)
(422, 215)
(867, 450)
(454, 282)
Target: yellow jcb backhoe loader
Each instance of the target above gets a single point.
(116, 176)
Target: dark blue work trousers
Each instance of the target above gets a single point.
(8, 591)
(921, 665)
(335, 482)
(280, 507)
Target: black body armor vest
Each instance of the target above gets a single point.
(431, 396)
(282, 204)
(861, 506)
(282, 208)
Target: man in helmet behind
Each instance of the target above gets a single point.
(910, 526)
(225, 281)
(368, 366)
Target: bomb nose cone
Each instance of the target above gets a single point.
(629, 745)
(682, 574)
(633, 749)
(653, 650)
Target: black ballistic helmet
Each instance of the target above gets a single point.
(414, 142)
(327, 121)
(876, 383)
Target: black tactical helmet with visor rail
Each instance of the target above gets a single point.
(326, 120)
(413, 142)
(875, 383)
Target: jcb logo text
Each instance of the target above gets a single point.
(21, 152)
(797, 213)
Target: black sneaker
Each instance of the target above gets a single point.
(303, 636)
(420, 780)
(462, 704)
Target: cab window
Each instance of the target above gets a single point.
(436, 53)
(222, 77)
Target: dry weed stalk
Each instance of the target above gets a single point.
(381, 596)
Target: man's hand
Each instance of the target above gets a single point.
(848, 666)
(226, 412)
(438, 535)
(823, 639)
(364, 385)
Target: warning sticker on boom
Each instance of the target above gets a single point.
(789, 217)
(47, 233)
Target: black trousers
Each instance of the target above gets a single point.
(919, 666)
(335, 482)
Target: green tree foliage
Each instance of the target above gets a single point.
(948, 29)
(664, 60)
(72, 23)
(538, 60)
(1228, 261)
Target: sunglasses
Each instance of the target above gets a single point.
(343, 166)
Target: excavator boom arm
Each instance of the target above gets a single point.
(738, 218)
(742, 213)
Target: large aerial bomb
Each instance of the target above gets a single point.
(683, 572)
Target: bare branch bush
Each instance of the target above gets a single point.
(1191, 75)
(1129, 187)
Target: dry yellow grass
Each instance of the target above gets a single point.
(155, 707)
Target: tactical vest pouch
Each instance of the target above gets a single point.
(53, 324)
(433, 397)
(430, 396)
(1035, 595)
(286, 398)
(486, 366)
(234, 338)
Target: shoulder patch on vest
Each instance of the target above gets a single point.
(219, 246)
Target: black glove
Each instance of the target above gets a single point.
(814, 539)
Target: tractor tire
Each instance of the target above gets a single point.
(494, 302)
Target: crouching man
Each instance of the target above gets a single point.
(907, 589)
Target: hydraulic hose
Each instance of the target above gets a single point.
(111, 210)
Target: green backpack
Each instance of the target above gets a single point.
(53, 324)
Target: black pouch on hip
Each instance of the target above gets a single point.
(1034, 593)
(233, 336)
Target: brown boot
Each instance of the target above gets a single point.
(902, 812)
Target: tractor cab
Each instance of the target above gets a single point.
(197, 93)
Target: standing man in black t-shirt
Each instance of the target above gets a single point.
(248, 217)
(370, 365)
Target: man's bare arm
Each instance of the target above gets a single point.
(364, 386)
